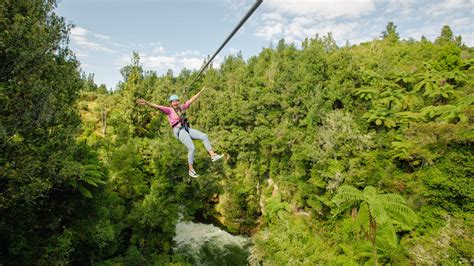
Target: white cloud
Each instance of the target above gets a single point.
(400, 6)
(429, 32)
(192, 63)
(270, 31)
(447, 6)
(81, 54)
(121, 45)
(468, 40)
(122, 61)
(139, 45)
(361, 20)
(304, 21)
(273, 25)
(158, 49)
(322, 8)
(78, 31)
(80, 37)
(340, 31)
(462, 22)
(233, 50)
(295, 20)
(102, 36)
(188, 53)
(273, 16)
(158, 62)
(87, 66)
(236, 4)
(161, 63)
(298, 28)
(90, 45)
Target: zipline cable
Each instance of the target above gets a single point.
(249, 13)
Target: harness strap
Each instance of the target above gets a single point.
(175, 124)
(185, 128)
(182, 120)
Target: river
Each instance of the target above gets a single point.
(206, 244)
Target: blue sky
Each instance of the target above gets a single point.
(177, 34)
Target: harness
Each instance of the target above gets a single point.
(183, 120)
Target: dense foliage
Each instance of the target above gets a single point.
(334, 155)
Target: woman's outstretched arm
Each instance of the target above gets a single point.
(152, 105)
(190, 101)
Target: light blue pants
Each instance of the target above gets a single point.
(187, 139)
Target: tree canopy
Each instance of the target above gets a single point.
(348, 154)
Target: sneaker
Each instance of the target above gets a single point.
(216, 157)
(193, 173)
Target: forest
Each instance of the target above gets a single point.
(334, 155)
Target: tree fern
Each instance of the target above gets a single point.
(467, 100)
(446, 113)
(381, 116)
(402, 78)
(446, 91)
(391, 97)
(407, 117)
(388, 247)
(91, 174)
(411, 100)
(401, 150)
(366, 93)
(376, 210)
(427, 82)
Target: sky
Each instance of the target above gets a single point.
(177, 34)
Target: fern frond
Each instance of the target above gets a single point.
(401, 213)
(363, 218)
(347, 193)
(346, 197)
(466, 100)
(94, 167)
(387, 238)
(377, 211)
(369, 192)
(365, 251)
(392, 198)
(84, 191)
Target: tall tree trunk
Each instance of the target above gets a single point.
(354, 214)
(103, 113)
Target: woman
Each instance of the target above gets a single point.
(181, 129)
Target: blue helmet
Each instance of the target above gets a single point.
(174, 97)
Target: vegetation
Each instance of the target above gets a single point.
(346, 155)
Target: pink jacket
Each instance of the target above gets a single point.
(173, 117)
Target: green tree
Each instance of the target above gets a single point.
(134, 70)
(375, 210)
(390, 32)
(42, 168)
(89, 84)
(39, 85)
(102, 89)
(447, 36)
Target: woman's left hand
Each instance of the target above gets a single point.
(140, 101)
